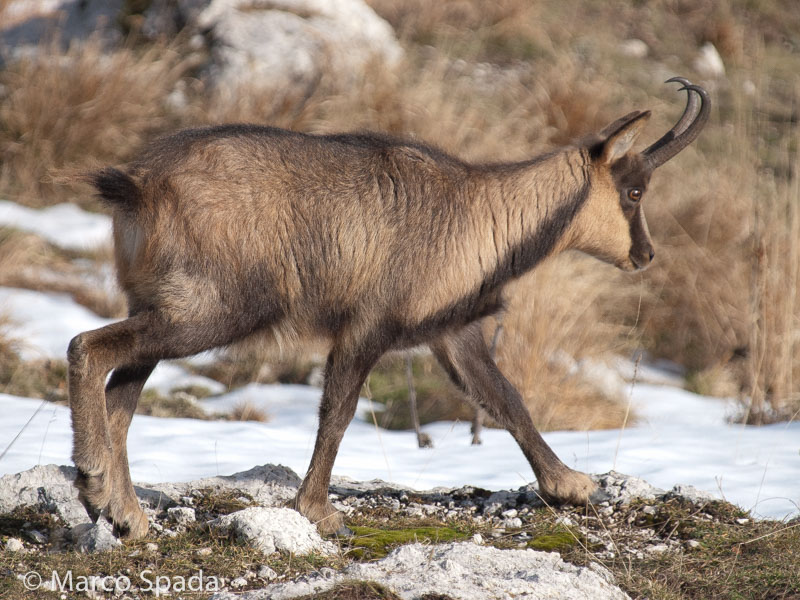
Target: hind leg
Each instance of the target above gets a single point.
(91, 356)
(122, 395)
(99, 426)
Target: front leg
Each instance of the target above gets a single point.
(344, 375)
(467, 360)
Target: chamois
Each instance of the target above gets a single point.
(228, 233)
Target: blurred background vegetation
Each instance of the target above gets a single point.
(501, 80)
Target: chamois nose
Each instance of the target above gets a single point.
(652, 254)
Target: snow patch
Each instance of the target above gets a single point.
(64, 225)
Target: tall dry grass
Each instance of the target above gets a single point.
(557, 317)
(723, 291)
(80, 106)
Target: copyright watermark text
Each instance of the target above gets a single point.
(146, 581)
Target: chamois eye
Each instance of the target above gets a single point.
(635, 194)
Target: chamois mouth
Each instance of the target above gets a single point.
(636, 265)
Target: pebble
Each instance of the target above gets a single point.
(15, 545)
(182, 515)
(657, 549)
(265, 572)
(37, 536)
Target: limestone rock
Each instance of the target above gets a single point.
(283, 46)
(709, 63)
(267, 485)
(47, 486)
(97, 537)
(465, 571)
(273, 529)
(26, 23)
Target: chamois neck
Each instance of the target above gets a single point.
(532, 205)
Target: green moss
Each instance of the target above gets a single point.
(372, 543)
(554, 542)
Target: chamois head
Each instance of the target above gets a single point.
(612, 226)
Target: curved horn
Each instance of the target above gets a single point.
(685, 130)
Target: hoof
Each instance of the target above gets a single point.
(568, 487)
(328, 520)
(131, 525)
(132, 529)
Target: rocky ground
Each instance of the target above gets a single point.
(457, 543)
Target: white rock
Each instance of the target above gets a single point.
(513, 523)
(97, 537)
(268, 485)
(691, 493)
(48, 487)
(622, 489)
(15, 545)
(658, 549)
(284, 46)
(238, 583)
(265, 572)
(182, 515)
(271, 529)
(464, 571)
(634, 48)
(708, 62)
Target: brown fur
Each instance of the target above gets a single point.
(232, 233)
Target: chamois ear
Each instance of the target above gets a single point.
(619, 136)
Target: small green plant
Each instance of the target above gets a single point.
(373, 543)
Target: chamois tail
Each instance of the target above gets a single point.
(114, 187)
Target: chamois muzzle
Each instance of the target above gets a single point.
(686, 129)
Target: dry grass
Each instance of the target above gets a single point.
(247, 411)
(28, 379)
(724, 288)
(556, 315)
(77, 107)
